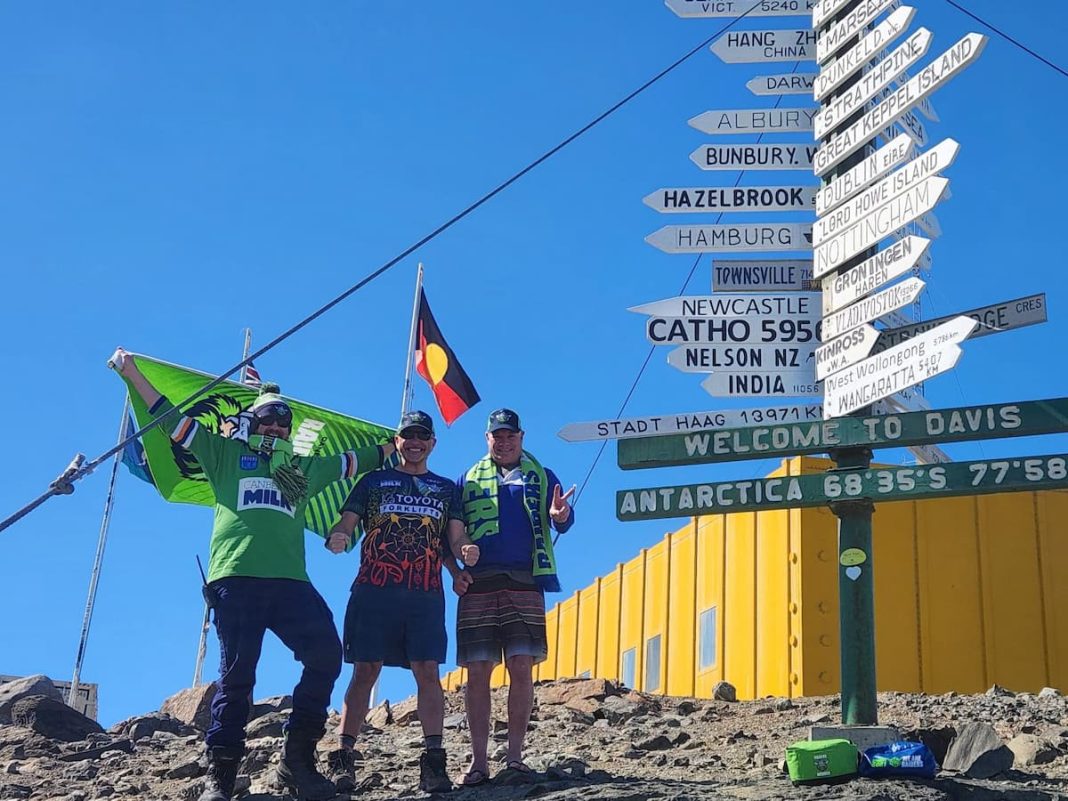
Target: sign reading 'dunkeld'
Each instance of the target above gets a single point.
(1020, 474)
(732, 238)
(834, 75)
(855, 283)
(763, 275)
(737, 198)
(754, 157)
(751, 47)
(709, 358)
(966, 423)
(838, 191)
(993, 319)
(754, 120)
(787, 83)
(627, 427)
(862, 15)
(740, 8)
(784, 384)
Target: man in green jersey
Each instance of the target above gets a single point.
(258, 578)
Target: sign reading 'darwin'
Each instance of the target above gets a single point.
(963, 424)
(788, 83)
(1021, 474)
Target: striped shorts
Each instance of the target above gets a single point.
(499, 617)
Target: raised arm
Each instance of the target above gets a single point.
(124, 363)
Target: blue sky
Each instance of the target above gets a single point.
(172, 173)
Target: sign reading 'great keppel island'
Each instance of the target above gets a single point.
(1022, 474)
(989, 421)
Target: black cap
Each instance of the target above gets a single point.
(503, 418)
(416, 419)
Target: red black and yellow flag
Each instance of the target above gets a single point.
(435, 361)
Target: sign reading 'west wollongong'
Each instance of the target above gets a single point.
(963, 424)
(1022, 474)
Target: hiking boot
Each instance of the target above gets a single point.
(341, 768)
(433, 777)
(297, 771)
(223, 762)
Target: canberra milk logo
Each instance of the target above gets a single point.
(261, 493)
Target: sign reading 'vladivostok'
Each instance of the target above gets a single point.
(627, 427)
(1022, 474)
(789, 83)
(755, 120)
(967, 423)
(872, 308)
(834, 75)
(732, 238)
(737, 198)
(751, 47)
(741, 8)
(754, 157)
(763, 275)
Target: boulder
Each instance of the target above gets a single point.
(1027, 749)
(617, 710)
(658, 743)
(561, 692)
(724, 691)
(52, 718)
(192, 706)
(978, 752)
(937, 739)
(147, 725)
(12, 691)
(405, 712)
(1048, 692)
(269, 725)
(276, 703)
(380, 716)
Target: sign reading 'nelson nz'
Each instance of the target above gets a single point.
(963, 424)
(1022, 474)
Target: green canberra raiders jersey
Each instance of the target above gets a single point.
(256, 532)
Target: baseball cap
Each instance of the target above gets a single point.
(416, 419)
(503, 418)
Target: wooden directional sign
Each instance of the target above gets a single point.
(710, 358)
(919, 169)
(738, 198)
(963, 424)
(751, 47)
(873, 82)
(750, 238)
(754, 120)
(846, 350)
(921, 85)
(788, 83)
(754, 157)
(763, 275)
(851, 285)
(838, 191)
(765, 330)
(834, 75)
(872, 308)
(883, 221)
(896, 368)
(739, 8)
(1022, 474)
(792, 304)
(624, 428)
(996, 318)
(785, 384)
(838, 35)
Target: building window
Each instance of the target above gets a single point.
(584, 674)
(627, 671)
(707, 639)
(652, 664)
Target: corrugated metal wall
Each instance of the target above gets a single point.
(968, 593)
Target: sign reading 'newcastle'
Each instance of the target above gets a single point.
(990, 421)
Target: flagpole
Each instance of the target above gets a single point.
(94, 579)
(406, 398)
(202, 645)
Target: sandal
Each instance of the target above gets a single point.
(473, 778)
(519, 766)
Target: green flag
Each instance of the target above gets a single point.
(180, 479)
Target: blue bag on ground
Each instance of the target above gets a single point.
(899, 759)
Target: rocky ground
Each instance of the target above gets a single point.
(589, 740)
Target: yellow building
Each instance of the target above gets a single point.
(969, 592)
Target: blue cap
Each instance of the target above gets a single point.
(416, 419)
(503, 418)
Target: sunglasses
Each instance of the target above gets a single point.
(274, 414)
(420, 434)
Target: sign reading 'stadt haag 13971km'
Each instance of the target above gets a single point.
(740, 8)
(963, 424)
(624, 428)
(687, 200)
(766, 47)
(742, 238)
(1019, 474)
(719, 122)
(754, 157)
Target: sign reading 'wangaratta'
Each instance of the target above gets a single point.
(1021, 474)
(962, 424)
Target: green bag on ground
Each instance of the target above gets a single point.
(821, 761)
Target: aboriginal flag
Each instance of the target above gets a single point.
(435, 361)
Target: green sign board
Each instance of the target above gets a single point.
(1024, 474)
(992, 421)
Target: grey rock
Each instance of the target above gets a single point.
(192, 706)
(783, 705)
(618, 710)
(52, 718)
(186, 770)
(12, 691)
(978, 752)
(381, 716)
(457, 720)
(269, 725)
(658, 743)
(276, 703)
(997, 691)
(724, 691)
(1049, 692)
(1029, 750)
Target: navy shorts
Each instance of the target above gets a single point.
(395, 626)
